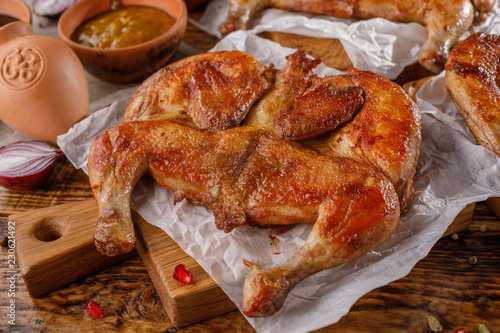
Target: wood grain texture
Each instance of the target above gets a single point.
(185, 304)
(443, 285)
(462, 220)
(330, 50)
(494, 204)
(55, 245)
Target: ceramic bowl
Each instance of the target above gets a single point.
(129, 64)
(16, 9)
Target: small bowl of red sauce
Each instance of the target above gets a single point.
(123, 41)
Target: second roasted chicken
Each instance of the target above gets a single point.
(444, 20)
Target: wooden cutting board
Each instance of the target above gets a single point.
(55, 247)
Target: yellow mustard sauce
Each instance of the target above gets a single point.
(123, 27)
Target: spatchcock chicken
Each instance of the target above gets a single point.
(444, 20)
(269, 148)
(472, 78)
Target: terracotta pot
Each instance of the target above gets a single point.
(43, 87)
(130, 64)
(16, 9)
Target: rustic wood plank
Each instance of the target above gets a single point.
(66, 184)
(333, 54)
(55, 245)
(444, 285)
(185, 304)
(330, 50)
(441, 285)
(462, 220)
(494, 204)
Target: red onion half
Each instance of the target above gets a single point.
(26, 165)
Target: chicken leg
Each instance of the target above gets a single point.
(264, 291)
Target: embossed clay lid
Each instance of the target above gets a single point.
(43, 88)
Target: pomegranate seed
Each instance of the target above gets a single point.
(94, 309)
(182, 274)
(461, 330)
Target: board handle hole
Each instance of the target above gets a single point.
(47, 230)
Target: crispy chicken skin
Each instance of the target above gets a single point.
(444, 20)
(339, 152)
(246, 175)
(211, 91)
(472, 79)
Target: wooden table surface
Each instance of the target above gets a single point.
(444, 285)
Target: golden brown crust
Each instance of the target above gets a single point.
(385, 133)
(322, 108)
(210, 91)
(472, 79)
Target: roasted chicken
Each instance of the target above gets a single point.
(339, 152)
(444, 20)
(472, 79)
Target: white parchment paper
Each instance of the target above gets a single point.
(453, 171)
(377, 44)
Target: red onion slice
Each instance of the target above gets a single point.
(26, 165)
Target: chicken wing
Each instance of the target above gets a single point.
(210, 91)
(444, 20)
(472, 79)
(244, 176)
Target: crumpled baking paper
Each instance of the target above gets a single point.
(453, 171)
(376, 45)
